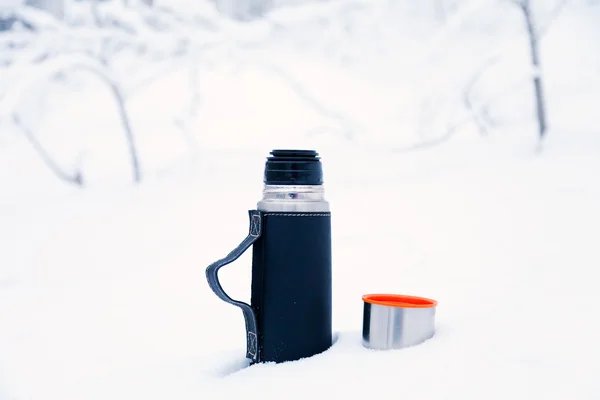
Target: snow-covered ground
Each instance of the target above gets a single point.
(102, 289)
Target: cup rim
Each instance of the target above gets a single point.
(399, 300)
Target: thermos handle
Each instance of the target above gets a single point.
(213, 281)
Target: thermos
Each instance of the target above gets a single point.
(290, 312)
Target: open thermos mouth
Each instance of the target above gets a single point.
(293, 167)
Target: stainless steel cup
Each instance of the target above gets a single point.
(392, 321)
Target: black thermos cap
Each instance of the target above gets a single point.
(293, 167)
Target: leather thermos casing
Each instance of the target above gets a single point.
(291, 285)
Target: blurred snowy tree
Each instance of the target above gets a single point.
(444, 8)
(443, 98)
(61, 50)
(535, 30)
(54, 7)
(244, 10)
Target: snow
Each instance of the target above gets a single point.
(102, 289)
(6, 4)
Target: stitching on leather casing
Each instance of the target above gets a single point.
(299, 215)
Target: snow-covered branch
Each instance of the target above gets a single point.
(480, 119)
(349, 128)
(76, 178)
(551, 17)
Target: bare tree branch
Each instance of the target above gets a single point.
(135, 164)
(535, 62)
(551, 17)
(478, 118)
(453, 129)
(450, 132)
(76, 179)
(95, 13)
(348, 127)
(121, 108)
(447, 135)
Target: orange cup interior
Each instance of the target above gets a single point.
(399, 300)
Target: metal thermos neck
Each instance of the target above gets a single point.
(293, 198)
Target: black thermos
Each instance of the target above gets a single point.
(289, 316)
